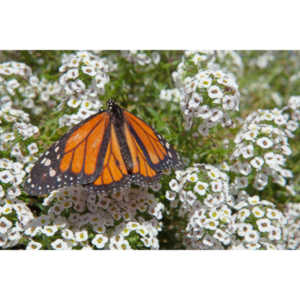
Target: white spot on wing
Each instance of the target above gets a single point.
(47, 162)
(52, 173)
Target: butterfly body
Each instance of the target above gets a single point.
(105, 152)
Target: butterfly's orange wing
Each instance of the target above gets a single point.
(105, 152)
(148, 153)
(74, 159)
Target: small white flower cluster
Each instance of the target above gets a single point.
(14, 216)
(291, 232)
(257, 223)
(202, 194)
(145, 232)
(26, 90)
(261, 149)
(141, 58)
(14, 68)
(83, 96)
(12, 175)
(86, 105)
(262, 61)
(170, 95)
(205, 94)
(294, 107)
(80, 219)
(84, 62)
(17, 120)
(216, 220)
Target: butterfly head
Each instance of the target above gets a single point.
(114, 108)
(111, 105)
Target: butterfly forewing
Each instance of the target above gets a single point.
(74, 159)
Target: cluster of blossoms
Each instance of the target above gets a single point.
(258, 224)
(261, 149)
(84, 76)
(206, 94)
(215, 219)
(15, 134)
(23, 89)
(262, 61)
(293, 108)
(141, 58)
(14, 217)
(291, 232)
(201, 193)
(15, 123)
(79, 219)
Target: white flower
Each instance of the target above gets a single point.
(216, 115)
(264, 225)
(245, 168)
(243, 214)
(250, 135)
(257, 212)
(211, 224)
(59, 244)
(224, 166)
(214, 92)
(88, 70)
(252, 236)
(274, 233)
(81, 236)
(241, 182)
(201, 188)
(264, 142)
(6, 137)
(253, 200)
(67, 234)
(253, 246)
(229, 102)
(74, 102)
(204, 112)
(32, 245)
(204, 82)
(170, 195)
(220, 235)
(50, 230)
(257, 162)
(213, 174)
(174, 185)
(274, 214)
(6, 177)
(214, 214)
(247, 151)
(33, 148)
(5, 224)
(216, 186)
(192, 177)
(72, 74)
(243, 228)
(292, 125)
(6, 209)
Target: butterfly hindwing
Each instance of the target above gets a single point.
(158, 153)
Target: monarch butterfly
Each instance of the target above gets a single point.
(105, 152)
